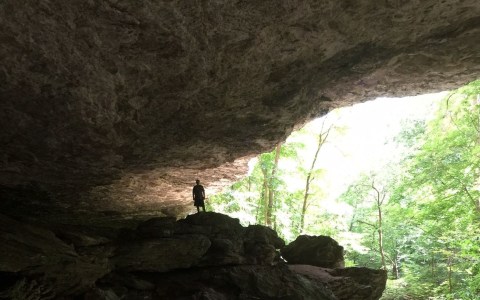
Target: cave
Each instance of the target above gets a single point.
(111, 109)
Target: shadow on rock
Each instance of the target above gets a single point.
(204, 256)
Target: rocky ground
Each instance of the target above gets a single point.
(205, 256)
(110, 109)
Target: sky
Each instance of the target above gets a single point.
(363, 145)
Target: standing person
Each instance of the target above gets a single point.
(199, 196)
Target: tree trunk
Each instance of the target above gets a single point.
(433, 265)
(380, 244)
(270, 187)
(322, 137)
(379, 198)
(264, 196)
(249, 188)
(450, 288)
(395, 269)
(304, 206)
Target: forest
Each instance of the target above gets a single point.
(416, 214)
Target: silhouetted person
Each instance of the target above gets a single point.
(199, 196)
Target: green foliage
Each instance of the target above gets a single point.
(252, 192)
(430, 215)
(439, 194)
(412, 133)
(399, 290)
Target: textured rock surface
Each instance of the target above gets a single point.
(41, 263)
(238, 282)
(348, 283)
(206, 256)
(120, 105)
(227, 242)
(161, 255)
(321, 251)
(251, 282)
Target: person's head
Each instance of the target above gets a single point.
(197, 181)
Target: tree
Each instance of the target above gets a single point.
(379, 196)
(270, 186)
(441, 190)
(368, 198)
(322, 138)
(419, 217)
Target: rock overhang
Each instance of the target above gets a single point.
(120, 106)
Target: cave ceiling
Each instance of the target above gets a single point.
(120, 105)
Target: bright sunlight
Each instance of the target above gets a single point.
(394, 181)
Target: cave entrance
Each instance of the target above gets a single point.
(322, 159)
(395, 181)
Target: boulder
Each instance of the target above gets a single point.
(264, 235)
(225, 251)
(229, 282)
(321, 251)
(100, 294)
(231, 242)
(261, 243)
(211, 224)
(206, 256)
(161, 255)
(42, 263)
(347, 283)
(156, 227)
(80, 239)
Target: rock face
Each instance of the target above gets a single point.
(120, 105)
(321, 251)
(348, 283)
(240, 282)
(205, 256)
(205, 239)
(35, 261)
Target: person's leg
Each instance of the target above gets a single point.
(203, 207)
(198, 209)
